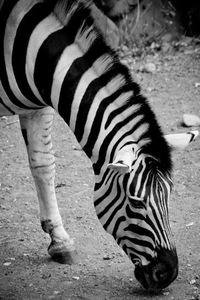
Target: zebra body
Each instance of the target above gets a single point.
(53, 58)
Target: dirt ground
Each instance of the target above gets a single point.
(102, 271)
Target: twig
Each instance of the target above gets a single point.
(10, 123)
(137, 17)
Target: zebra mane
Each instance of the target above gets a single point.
(87, 35)
(65, 9)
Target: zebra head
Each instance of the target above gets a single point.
(131, 201)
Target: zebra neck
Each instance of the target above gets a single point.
(75, 71)
(94, 101)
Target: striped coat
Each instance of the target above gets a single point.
(54, 58)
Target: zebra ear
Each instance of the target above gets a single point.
(123, 160)
(180, 141)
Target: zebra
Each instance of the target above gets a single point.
(53, 58)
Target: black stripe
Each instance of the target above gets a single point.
(111, 203)
(140, 253)
(139, 242)
(158, 200)
(159, 231)
(117, 225)
(91, 92)
(108, 139)
(4, 14)
(134, 215)
(154, 228)
(117, 208)
(135, 180)
(99, 184)
(147, 175)
(96, 126)
(128, 103)
(48, 57)
(136, 229)
(88, 98)
(46, 61)
(135, 254)
(148, 221)
(24, 31)
(100, 199)
(73, 76)
(162, 200)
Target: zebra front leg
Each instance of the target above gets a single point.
(36, 130)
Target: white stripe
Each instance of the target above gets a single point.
(8, 103)
(154, 204)
(13, 22)
(4, 111)
(86, 79)
(68, 56)
(103, 133)
(102, 93)
(41, 32)
(111, 87)
(97, 69)
(140, 162)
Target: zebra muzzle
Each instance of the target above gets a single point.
(160, 273)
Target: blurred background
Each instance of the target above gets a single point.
(142, 22)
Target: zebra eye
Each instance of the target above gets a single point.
(137, 202)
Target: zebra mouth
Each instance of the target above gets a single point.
(158, 274)
(140, 275)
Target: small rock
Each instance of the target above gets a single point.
(166, 47)
(197, 84)
(148, 68)
(6, 264)
(193, 281)
(59, 185)
(168, 37)
(2, 206)
(75, 277)
(155, 46)
(56, 292)
(165, 293)
(189, 224)
(107, 257)
(191, 120)
(4, 118)
(76, 148)
(150, 89)
(46, 276)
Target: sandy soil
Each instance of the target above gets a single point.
(102, 271)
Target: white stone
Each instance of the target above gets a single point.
(191, 120)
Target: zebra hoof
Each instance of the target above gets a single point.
(61, 254)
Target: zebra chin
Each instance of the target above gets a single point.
(158, 274)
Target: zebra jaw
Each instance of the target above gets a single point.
(180, 141)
